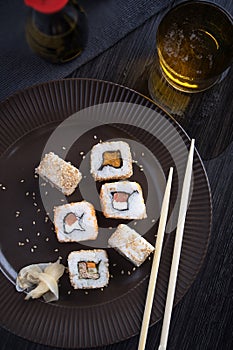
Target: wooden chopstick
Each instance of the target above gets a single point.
(155, 264)
(177, 249)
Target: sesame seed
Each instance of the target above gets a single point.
(43, 184)
(27, 240)
(60, 257)
(47, 239)
(85, 176)
(64, 148)
(0, 185)
(62, 200)
(38, 210)
(100, 141)
(32, 250)
(3, 187)
(35, 246)
(46, 219)
(141, 169)
(20, 229)
(114, 265)
(22, 180)
(110, 227)
(135, 161)
(20, 243)
(135, 223)
(122, 272)
(56, 250)
(36, 176)
(134, 268)
(143, 154)
(35, 204)
(102, 289)
(81, 153)
(95, 137)
(111, 276)
(84, 157)
(33, 222)
(153, 220)
(149, 258)
(129, 273)
(86, 293)
(69, 292)
(27, 193)
(38, 234)
(46, 193)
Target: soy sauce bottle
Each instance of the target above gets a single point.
(56, 30)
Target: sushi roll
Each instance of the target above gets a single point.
(75, 222)
(61, 174)
(111, 160)
(88, 269)
(122, 200)
(130, 244)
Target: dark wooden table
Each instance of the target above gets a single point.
(203, 319)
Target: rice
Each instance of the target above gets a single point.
(61, 174)
(123, 199)
(130, 244)
(75, 222)
(111, 160)
(84, 277)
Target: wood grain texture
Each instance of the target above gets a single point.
(203, 319)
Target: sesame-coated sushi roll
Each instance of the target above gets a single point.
(122, 200)
(88, 269)
(61, 174)
(111, 160)
(130, 244)
(75, 222)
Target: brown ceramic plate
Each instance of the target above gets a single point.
(38, 120)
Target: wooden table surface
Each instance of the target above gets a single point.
(203, 319)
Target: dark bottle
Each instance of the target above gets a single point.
(56, 30)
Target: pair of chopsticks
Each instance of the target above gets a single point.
(176, 255)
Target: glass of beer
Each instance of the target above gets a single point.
(194, 45)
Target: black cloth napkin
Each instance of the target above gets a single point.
(108, 21)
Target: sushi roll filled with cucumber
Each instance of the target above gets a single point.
(88, 269)
(130, 244)
(61, 174)
(111, 160)
(75, 222)
(122, 200)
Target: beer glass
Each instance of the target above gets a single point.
(194, 45)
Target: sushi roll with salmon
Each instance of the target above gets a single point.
(61, 174)
(111, 160)
(130, 244)
(88, 269)
(75, 222)
(122, 200)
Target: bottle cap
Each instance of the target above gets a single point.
(46, 6)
